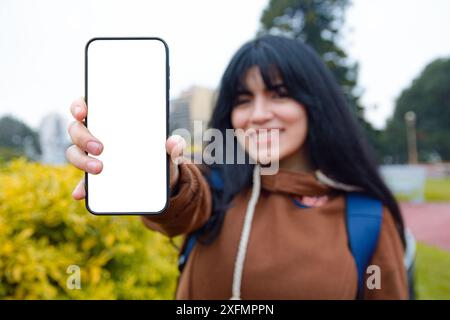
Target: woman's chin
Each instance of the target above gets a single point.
(265, 157)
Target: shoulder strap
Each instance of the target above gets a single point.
(215, 179)
(186, 250)
(363, 219)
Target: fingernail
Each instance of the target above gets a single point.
(78, 110)
(94, 147)
(93, 166)
(177, 138)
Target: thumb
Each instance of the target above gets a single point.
(175, 146)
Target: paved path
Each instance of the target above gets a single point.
(429, 222)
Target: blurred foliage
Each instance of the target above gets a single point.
(15, 137)
(7, 154)
(43, 231)
(429, 97)
(432, 273)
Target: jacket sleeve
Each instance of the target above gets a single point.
(388, 256)
(188, 209)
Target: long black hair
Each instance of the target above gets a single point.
(335, 141)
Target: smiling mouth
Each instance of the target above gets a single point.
(264, 135)
(263, 131)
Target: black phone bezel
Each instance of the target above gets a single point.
(166, 48)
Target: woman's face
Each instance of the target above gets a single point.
(259, 108)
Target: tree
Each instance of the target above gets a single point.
(429, 97)
(15, 137)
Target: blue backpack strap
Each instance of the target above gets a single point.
(190, 242)
(363, 218)
(215, 179)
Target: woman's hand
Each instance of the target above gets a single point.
(174, 146)
(83, 141)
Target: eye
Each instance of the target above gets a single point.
(242, 99)
(275, 95)
(279, 93)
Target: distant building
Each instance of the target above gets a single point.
(53, 139)
(192, 105)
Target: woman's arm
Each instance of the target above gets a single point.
(189, 207)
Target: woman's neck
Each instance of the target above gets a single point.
(298, 161)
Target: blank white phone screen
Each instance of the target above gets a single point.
(127, 99)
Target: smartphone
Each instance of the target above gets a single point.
(127, 95)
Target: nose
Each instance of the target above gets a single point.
(261, 111)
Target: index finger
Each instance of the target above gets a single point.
(78, 109)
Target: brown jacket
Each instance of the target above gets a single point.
(293, 252)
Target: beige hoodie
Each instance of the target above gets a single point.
(291, 253)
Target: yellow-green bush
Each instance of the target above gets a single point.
(43, 231)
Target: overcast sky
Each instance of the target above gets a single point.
(42, 45)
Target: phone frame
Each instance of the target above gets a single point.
(166, 49)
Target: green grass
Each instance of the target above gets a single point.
(432, 273)
(436, 190)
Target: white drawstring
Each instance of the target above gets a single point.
(242, 249)
(335, 184)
